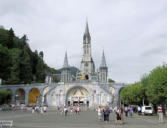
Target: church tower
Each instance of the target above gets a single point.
(103, 70)
(87, 64)
(66, 73)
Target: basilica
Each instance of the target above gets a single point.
(88, 87)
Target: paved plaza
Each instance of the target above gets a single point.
(25, 119)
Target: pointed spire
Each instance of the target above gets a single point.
(87, 28)
(103, 61)
(65, 65)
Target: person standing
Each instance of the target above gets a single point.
(160, 113)
(104, 113)
(107, 113)
(122, 113)
(139, 110)
(130, 111)
(44, 109)
(78, 109)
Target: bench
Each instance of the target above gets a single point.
(6, 123)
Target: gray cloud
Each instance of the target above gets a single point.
(133, 33)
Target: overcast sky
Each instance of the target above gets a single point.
(133, 33)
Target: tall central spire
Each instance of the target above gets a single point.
(87, 64)
(86, 36)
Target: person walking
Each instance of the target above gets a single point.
(33, 109)
(71, 110)
(160, 113)
(118, 116)
(126, 111)
(65, 111)
(99, 113)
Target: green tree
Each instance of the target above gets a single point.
(18, 64)
(5, 97)
(40, 71)
(157, 85)
(5, 63)
(3, 37)
(10, 42)
(132, 94)
(111, 80)
(15, 66)
(26, 75)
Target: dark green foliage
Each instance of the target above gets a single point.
(156, 89)
(40, 73)
(25, 67)
(10, 42)
(15, 66)
(73, 70)
(5, 97)
(5, 63)
(111, 80)
(18, 64)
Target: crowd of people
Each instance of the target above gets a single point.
(39, 109)
(104, 112)
(70, 110)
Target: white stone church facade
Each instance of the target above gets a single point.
(89, 88)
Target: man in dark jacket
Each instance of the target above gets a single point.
(107, 113)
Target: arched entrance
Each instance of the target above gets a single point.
(77, 95)
(34, 96)
(20, 96)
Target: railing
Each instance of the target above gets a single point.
(34, 84)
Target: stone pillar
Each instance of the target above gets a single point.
(13, 96)
(91, 100)
(85, 100)
(58, 99)
(97, 99)
(26, 96)
(64, 99)
(100, 99)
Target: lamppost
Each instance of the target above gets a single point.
(16, 98)
(0, 81)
